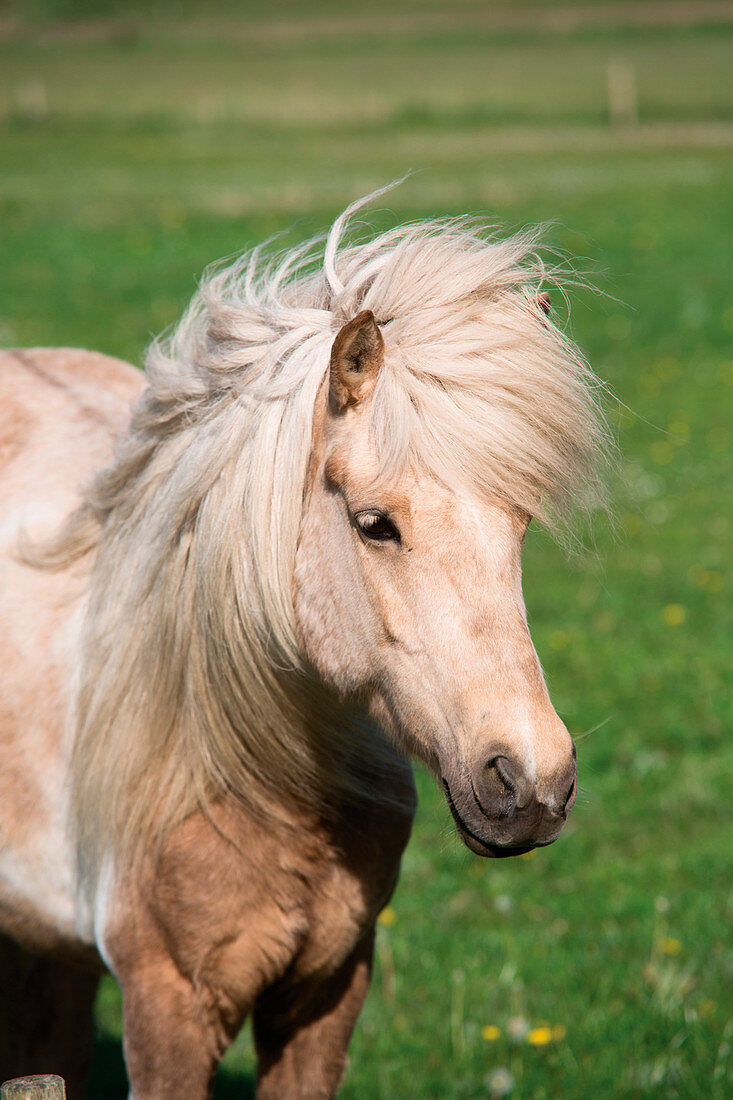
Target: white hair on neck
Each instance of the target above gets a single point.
(194, 680)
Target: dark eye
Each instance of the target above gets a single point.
(377, 527)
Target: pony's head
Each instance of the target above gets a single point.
(408, 595)
(452, 413)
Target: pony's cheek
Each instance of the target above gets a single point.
(331, 609)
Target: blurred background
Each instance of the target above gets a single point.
(140, 141)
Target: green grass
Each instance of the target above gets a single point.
(132, 156)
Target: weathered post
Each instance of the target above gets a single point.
(623, 106)
(42, 1086)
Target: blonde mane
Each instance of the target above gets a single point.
(194, 683)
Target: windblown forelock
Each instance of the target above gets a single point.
(479, 387)
(501, 405)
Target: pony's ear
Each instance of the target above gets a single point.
(356, 356)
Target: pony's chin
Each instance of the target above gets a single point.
(489, 850)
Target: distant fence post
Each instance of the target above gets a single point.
(43, 1086)
(623, 107)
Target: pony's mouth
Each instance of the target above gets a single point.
(476, 843)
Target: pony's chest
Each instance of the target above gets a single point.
(236, 917)
(340, 907)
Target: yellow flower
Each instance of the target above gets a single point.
(387, 917)
(539, 1036)
(674, 614)
(670, 946)
(490, 1033)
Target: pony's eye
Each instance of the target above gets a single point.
(377, 527)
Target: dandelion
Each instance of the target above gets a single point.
(670, 946)
(503, 904)
(500, 1082)
(491, 1033)
(387, 917)
(674, 614)
(539, 1036)
(517, 1028)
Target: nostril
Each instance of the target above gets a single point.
(501, 765)
(495, 789)
(569, 797)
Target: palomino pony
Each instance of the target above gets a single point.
(295, 561)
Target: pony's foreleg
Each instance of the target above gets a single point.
(302, 1030)
(173, 1035)
(46, 1023)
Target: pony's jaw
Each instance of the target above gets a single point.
(431, 634)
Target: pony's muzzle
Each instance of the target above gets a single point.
(503, 811)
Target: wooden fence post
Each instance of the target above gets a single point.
(43, 1086)
(623, 105)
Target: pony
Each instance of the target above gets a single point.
(238, 593)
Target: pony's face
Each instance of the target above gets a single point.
(409, 597)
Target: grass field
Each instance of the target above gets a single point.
(138, 144)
